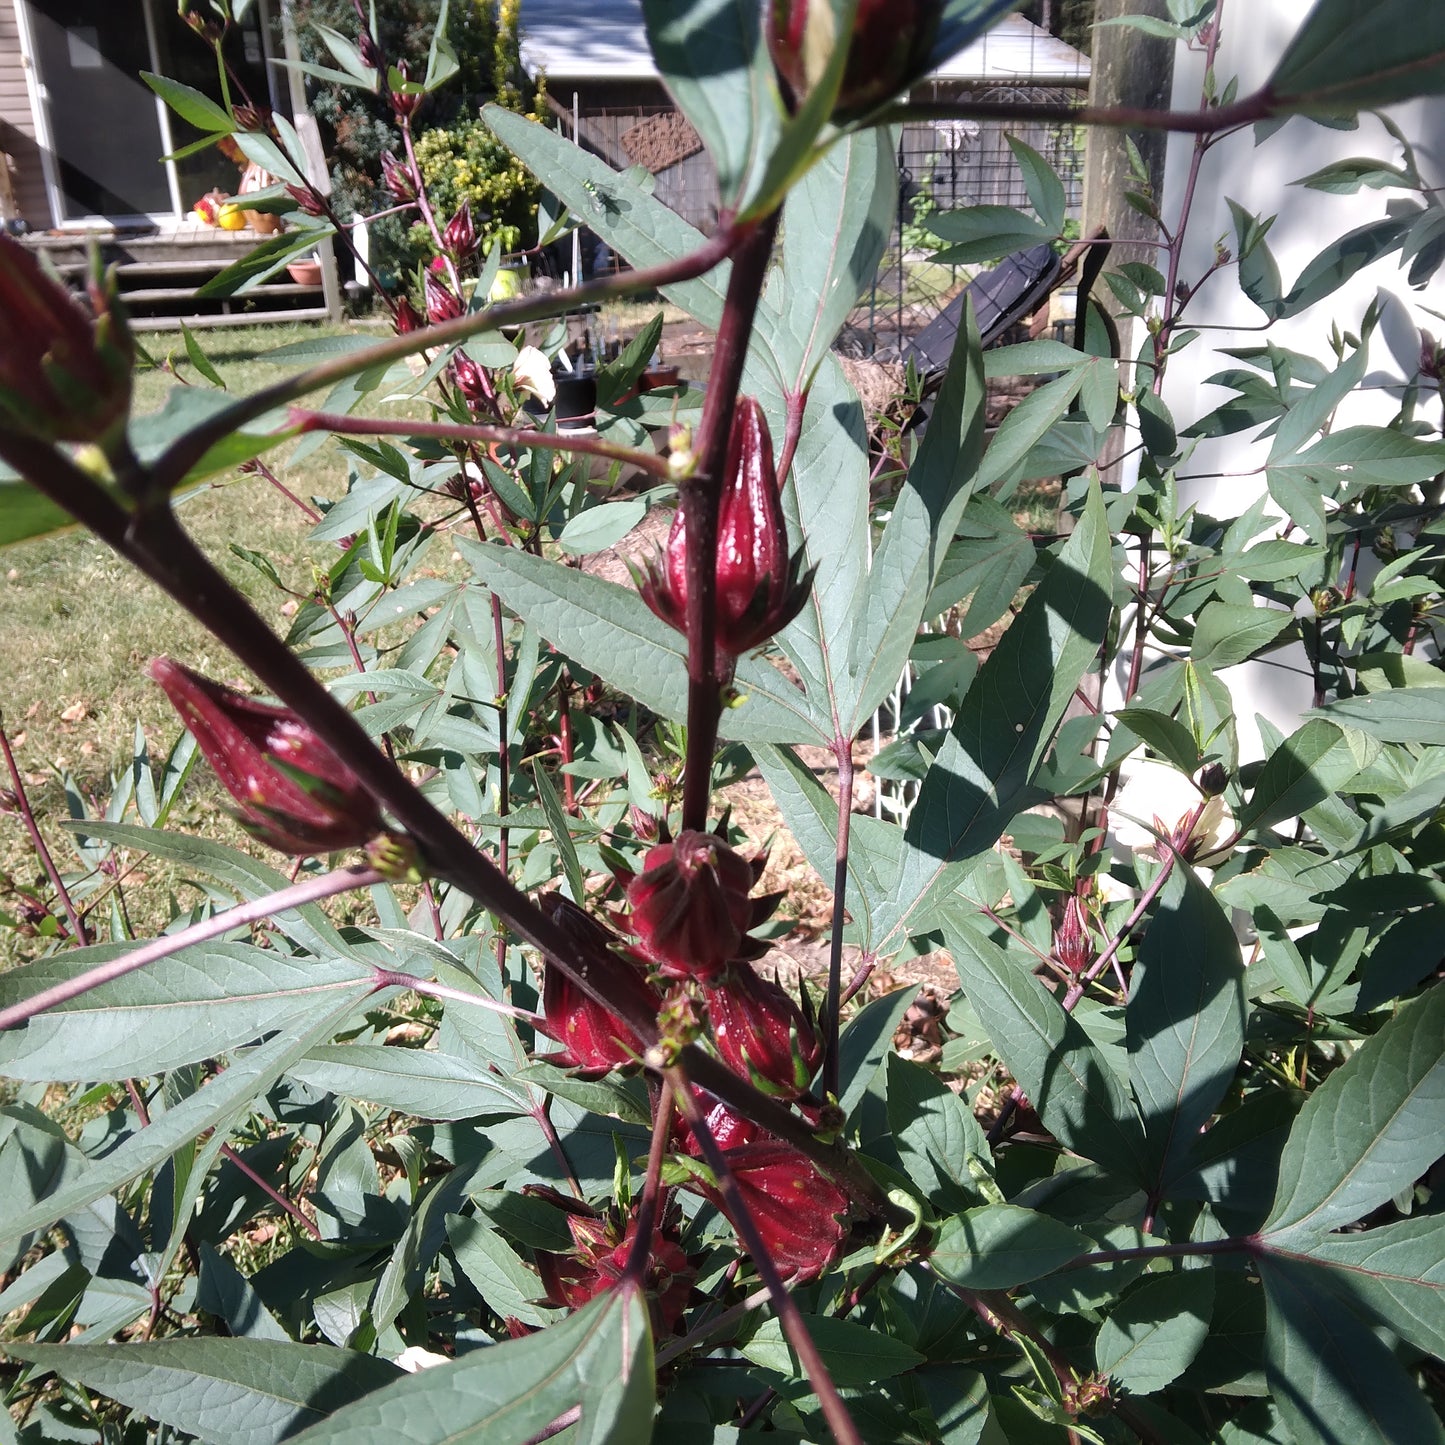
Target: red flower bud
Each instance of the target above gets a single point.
(250, 117)
(1072, 946)
(799, 1212)
(759, 589)
(460, 235)
(442, 303)
(306, 200)
(602, 1249)
(294, 793)
(762, 1034)
(470, 380)
(405, 318)
(399, 179)
(889, 48)
(64, 376)
(592, 1036)
(404, 101)
(371, 55)
(690, 908)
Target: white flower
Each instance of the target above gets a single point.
(1159, 794)
(532, 373)
(414, 1358)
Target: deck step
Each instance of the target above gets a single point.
(235, 318)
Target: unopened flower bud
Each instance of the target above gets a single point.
(371, 55)
(1072, 946)
(398, 177)
(470, 380)
(405, 318)
(442, 303)
(889, 48)
(252, 118)
(293, 793)
(799, 1212)
(762, 1034)
(690, 908)
(1432, 357)
(602, 1247)
(404, 100)
(460, 235)
(64, 376)
(760, 589)
(593, 1036)
(1212, 780)
(306, 200)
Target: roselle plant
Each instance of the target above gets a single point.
(541, 1117)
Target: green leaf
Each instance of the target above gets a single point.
(607, 1096)
(203, 1001)
(854, 1355)
(636, 225)
(1369, 1130)
(721, 77)
(984, 233)
(262, 262)
(199, 359)
(601, 527)
(1156, 1330)
(561, 831)
(188, 103)
(213, 1106)
(308, 925)
(232, 1392)
(25, 513)
(1395, 1273)
(412, 1081)
(610, 631)
(998, 1246)
(1304, 770)
(1397, 715)
(1185, 1022)
(836, 225)
(934, 1130)
(599, 1358)
(1332, 1379)
(866, 1042)
(1078, 1095)
(1348, 57)
(983, 774)
(1041, 181)
(1366, 456)
(1166, 735)
(1226, 634)
(1027, 424)
(925, 516)
(495, 1270)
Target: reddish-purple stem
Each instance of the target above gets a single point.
(37, 841)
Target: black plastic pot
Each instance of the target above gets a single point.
(576, 400)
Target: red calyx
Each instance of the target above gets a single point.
(801, 1214)
(759, 588)
(1071, 941)
(690, 908)
(442, 303)
(889, 48)
(293, 793)
(594, 1037)
(460, 235)
(64, 376)
(602, 1249)
(762, 1034)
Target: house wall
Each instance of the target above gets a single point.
(17, 125)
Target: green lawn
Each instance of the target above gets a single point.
(79, 624)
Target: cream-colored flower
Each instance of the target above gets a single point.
(532, 374)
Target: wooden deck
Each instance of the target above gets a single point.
(160, 272)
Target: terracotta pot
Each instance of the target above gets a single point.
(304, 273)
(262, 222)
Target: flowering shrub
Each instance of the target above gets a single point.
(1163, 1185)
